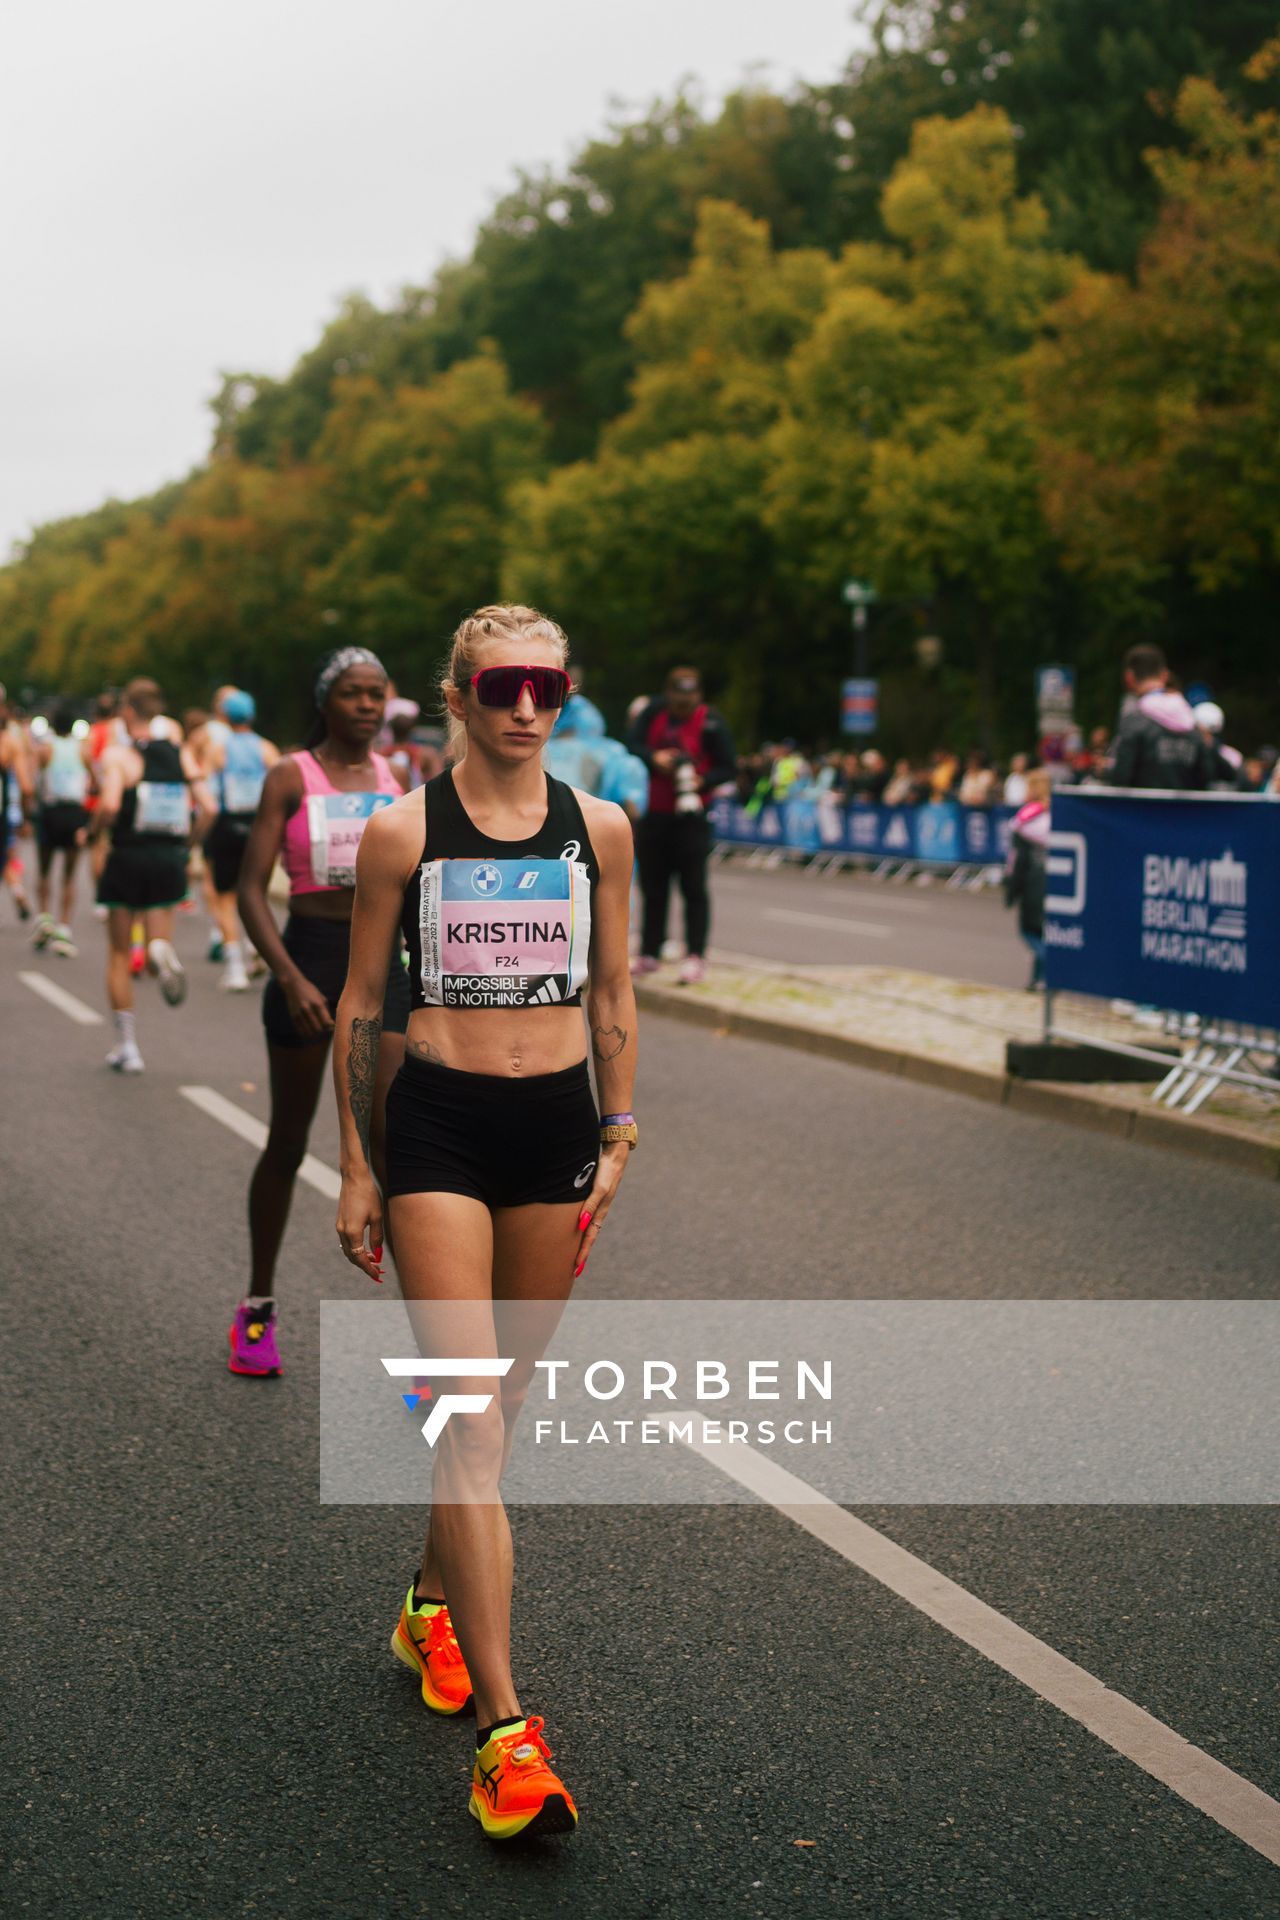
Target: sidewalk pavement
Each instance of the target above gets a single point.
(952, 1034)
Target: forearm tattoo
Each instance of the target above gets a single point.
(607, 1042)
(362, 1071)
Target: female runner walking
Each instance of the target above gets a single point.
(315, 806)
(492, 1134)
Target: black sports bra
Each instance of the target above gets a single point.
(500, 923)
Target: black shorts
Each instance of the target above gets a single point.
(503, 1141)
(224, 846)
(58, 824)
(320, 948)
(144, 878)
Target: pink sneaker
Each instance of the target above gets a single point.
(694, 971)
(645, 963)
(253, 1339)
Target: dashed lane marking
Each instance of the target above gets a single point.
(236, 1120)
(1195, 1776)
(65, 1002)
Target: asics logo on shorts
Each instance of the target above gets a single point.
(586, 1174)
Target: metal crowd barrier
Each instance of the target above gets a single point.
(968, 845)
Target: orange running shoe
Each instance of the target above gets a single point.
(424, 1639)
(514, 1791)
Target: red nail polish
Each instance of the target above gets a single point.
(377, 1253)
(584, 1221)
(578, 1269)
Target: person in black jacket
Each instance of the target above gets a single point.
(689, 753)
(1157, 743)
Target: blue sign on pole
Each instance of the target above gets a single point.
(859, 701)
(1170, 900)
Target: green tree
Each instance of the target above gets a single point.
(907, 455)
(213, 590)
(1087, 84)
(657, 549)
(416, 485)
(1158, 400)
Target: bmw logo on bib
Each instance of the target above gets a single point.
(486, 880)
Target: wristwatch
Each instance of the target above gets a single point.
(619, 1126)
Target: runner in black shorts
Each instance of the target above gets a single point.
(314, 807)
(512, 889)
(237, 770)
(147, 792)
(62, 787)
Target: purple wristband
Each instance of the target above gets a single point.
(617, 1119)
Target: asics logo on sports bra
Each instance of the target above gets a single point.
(586, 1174)
(572, 850)
(486, 880)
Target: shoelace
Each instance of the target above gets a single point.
(442, 1641)
(529, 1735)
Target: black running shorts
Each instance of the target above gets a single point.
(319, 948)
(504, 1141)
(144, 878)
(224, 846)
(57, 825)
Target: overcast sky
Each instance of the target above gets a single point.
(190, 186)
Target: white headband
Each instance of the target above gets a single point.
(344, 658)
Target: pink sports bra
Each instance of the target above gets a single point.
(320, 840)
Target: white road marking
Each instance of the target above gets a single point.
(1195, 1776)
(59, 997)
(876, 927)
(313, 1171)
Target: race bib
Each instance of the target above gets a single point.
(335, 822)
(65, 783)
(163, 806)
(241, 792)
(504, 933)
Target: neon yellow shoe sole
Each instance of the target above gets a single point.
(555, 1815)
(411, 1655)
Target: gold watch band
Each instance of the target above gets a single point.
(630, 1133)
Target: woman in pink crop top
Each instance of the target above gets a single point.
(314, 807)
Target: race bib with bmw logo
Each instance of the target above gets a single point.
(162, 807)
(504, 933)
(335, 822)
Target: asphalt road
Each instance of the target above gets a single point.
(202, 1714)
(795, 914)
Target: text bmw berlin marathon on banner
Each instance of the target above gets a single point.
(1169, 900)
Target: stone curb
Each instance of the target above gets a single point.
(1208, 1139)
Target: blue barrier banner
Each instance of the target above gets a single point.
(1169, 901)
(800, 825)
(940, 834)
